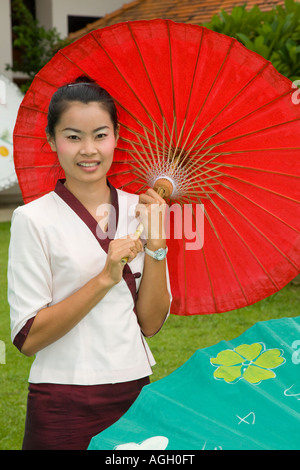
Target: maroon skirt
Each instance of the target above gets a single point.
(66, 417)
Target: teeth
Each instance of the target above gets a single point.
(88, 164)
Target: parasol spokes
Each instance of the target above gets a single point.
(172, 167)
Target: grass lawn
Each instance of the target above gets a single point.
(174, 344)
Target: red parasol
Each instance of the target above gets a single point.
(198, 109)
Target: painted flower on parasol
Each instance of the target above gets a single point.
(251, 362)
(206, 121)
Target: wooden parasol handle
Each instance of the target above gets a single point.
(163, 187)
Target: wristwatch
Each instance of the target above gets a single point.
(159, 254)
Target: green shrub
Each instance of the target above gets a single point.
(273, 34)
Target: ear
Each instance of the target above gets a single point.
(51, 142)
(117, 134)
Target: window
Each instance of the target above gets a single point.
(78, 22)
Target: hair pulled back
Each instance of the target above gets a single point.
(85, 90)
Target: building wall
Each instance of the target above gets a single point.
(5, 37)
(54, 13)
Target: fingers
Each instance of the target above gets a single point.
(127, 247)
(151, 197)
(120, 249)
(133, 250)
(149, 202)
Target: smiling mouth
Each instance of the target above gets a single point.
(88, 165)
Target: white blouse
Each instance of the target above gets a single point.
(54, 250)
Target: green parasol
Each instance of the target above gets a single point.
(238, 395)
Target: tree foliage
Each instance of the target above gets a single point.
(34, 44)
(273, 34)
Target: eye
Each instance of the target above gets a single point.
(73, 137)
(100, 136)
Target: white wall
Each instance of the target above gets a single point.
(54, 13)
(5, 37)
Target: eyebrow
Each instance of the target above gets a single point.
(80, 132)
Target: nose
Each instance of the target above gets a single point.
(88, 147)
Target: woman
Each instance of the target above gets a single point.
(74, 303)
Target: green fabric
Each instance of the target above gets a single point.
(242, 394)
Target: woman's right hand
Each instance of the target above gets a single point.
(120, 248)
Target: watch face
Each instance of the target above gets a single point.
(160, 254)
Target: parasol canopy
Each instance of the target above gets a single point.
(212, 118)
(242, 394)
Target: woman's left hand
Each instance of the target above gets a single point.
(151, 211)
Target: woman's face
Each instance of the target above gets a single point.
(85, 142)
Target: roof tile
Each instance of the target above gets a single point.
(186, 11)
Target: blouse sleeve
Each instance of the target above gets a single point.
(29, 272)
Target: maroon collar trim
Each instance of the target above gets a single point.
(85, 216)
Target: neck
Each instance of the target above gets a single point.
(92, 196)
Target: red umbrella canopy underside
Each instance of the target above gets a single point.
(230, 121)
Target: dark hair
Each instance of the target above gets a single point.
(85, 90)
